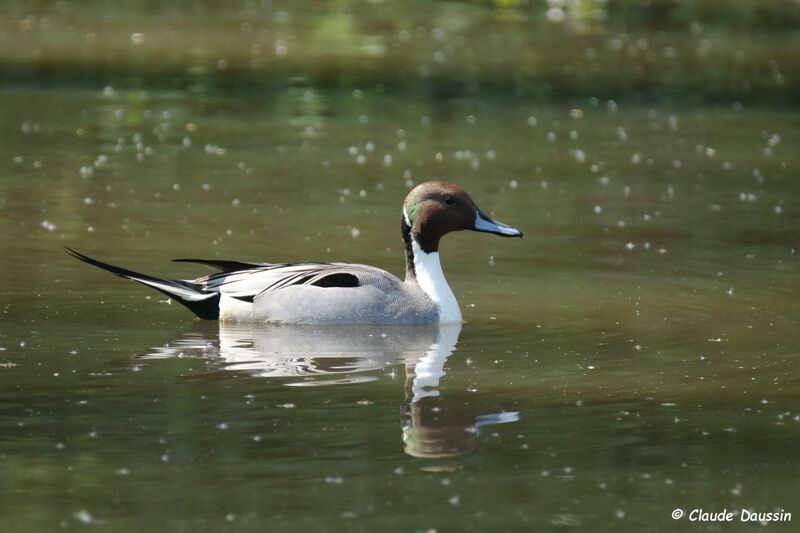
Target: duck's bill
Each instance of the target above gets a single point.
(487, 225)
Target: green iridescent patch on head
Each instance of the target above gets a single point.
(411, 205)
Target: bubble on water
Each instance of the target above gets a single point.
(774, 140)
(551, 136)
(673, 122)
(454, 500)
(636, 158)
(210, 149)
(513, 184)
(387, 160)
(47, 225)
(84, 517)
(355, 232)
(334, 480)
(630, 246)
(137, 39)
(747, 197)
(598, 210)
(532, 121)
(281, 50)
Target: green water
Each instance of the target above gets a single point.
(639, 344)
(635, 353)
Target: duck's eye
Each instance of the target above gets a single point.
(450, 200)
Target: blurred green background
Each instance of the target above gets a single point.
(689, 50)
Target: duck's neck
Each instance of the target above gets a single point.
(425, 269)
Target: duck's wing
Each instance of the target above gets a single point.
(246, 285)
(246, 281)
(224, 265)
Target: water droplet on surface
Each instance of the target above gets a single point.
(84, 517)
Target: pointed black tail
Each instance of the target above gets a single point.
(203, 304)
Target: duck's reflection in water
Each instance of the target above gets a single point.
(433, 427)
(329, 355)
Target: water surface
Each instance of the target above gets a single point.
(635, 353)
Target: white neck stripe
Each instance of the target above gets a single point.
(430, 278)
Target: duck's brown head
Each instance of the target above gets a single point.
(435, 208)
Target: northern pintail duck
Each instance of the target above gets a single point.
(338, 293)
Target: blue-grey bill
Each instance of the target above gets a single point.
(486, 224)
